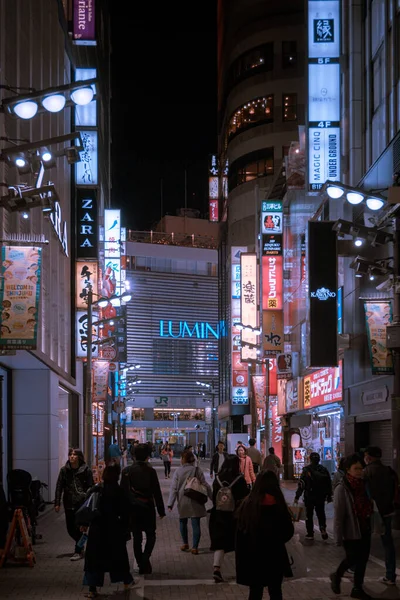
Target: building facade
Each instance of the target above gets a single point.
(42, 387)
(173, 333)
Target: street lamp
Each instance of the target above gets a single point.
(102, 303)
(353, 195)
(212, 392)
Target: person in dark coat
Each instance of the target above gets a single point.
(108, 533)
(264, 526)
(74, 480)
(222, 524)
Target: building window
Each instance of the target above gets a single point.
(251, 166)
(251, 62)
(249, 115)
(378, 80)
(289, 107)
(289, 54)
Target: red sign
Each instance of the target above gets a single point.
(276, 429)
(323, 387)
(273, 380)
(260, 389)
(272, 282)
(213, 210)
(236, 364)
(240, 378)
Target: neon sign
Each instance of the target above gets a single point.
(200, 330)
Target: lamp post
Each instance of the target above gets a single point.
(212, 392)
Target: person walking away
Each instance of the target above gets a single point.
(166, 455)
(272, 462)
(383, 485)
(124, 457)
(74, 480)
(187, 507)
(106, 546)
(222, 525)
(340, 473)
(246, 465)
(316, 485)
(189, 448)
(255, 455)
(218, 459)
(203, 451)
(133, 449)
(141, 485)
(114, 452)
(352, 525)
(263, 516)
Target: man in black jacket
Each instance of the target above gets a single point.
(218, 459)
(382, 482)
(74, 480)
(316, 485)
(141, 483)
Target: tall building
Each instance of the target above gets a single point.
(45, 45)
(261, 95)
(173, 333)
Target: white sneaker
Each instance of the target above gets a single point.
(386, 581)
(77, 556)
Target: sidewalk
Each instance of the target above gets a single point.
(176, 575)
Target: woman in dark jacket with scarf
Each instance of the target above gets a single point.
(222, 524)
(108, 533)
(73, 482)
(352, 522)
(264, 527)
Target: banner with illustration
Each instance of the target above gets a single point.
(260, 390)
(377, 316)
(19, 297)
(100, 369)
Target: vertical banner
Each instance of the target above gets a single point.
(248, 305)
(323, 92)
(86, 273)
(86, 171)
(260, 390)
(276, 428)
(87, 226)
(213, 183)
(323, 285)
(239, 373)
(19, 296)
(84, 20)
(377, 316)
(100, 370)
(273, 332)
(272, 276)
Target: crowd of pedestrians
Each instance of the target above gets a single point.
(248, 509)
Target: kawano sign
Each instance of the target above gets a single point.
(198, 330)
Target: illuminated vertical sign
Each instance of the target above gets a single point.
(213, 188)
(86, 170)
(322, 293)
(323, 92)
(87, 226)
(112, 248)
(248, 304)
(239, 370)
(84, 20)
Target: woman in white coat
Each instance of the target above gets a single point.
(188, 508)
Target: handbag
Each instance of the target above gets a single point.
(195, 490)
(138, 500)
(297, 512)
(297, 563)
(89, 510)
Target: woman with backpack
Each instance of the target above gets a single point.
(229, 489)
(166, 455)
(264, 527)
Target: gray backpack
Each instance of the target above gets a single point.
(225, 500)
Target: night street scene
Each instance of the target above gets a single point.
(200, 300)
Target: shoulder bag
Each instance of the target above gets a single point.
(89, 510)
(195, 490)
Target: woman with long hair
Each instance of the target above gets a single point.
(74, 480)
(352, 523)
(246, 465)
(187, 507)
(166, 455)
(108, 532)
(264, 527)
(222, 525)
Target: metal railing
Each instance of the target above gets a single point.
(173, 239)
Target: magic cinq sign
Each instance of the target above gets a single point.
(323, 92)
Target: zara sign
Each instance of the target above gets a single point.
(87, 226)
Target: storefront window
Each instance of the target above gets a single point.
(165, 414)
(253, 113)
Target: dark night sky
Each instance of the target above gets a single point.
(168, 56)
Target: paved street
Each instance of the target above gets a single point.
(176, 575)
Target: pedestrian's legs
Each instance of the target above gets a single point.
(310, 519)
(351, 547)
(196, 531)
(150, 543)
(168, 468)
(320, 510)
(166, 463)
(72, 529)
(219, 556)
(183, 526)
(137, 544)
(275, 588)
(256, 592)
(363, 547)
(390, 551)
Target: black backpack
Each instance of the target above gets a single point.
(319, 481)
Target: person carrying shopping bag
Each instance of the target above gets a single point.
(166, 455)
(246, 465)
(187, 507)
(264, 527)
(229, 489)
